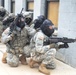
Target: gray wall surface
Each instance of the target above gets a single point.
(19, 4)
(7, 5)
(67, 28)
(39, 8)
(0, 2)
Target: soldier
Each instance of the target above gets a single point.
(15, 37)
(3, 14)
(38, 22)
(40, 53)
(28, 21)
(43, 54)
(28, 17)
(7, 20)
(32, 31)
(34, 25)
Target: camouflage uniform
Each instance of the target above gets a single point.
(1, 19)
(15, 45)
(41, 53)
(31, 32)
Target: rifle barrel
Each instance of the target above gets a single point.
(64, 40)
(21, 10)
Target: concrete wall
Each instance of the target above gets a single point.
(19, 4)
(67, 28)
(7, 5)
(39, 8)
(0, 2)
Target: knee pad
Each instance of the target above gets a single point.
(12, 64)
(13, 60)
(53, 51)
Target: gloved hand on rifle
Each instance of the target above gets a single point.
(54, 45)
(10, 36)
(6, 38)
(65, 45)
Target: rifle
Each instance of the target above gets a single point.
(13, 25)
(13, 28)
(21, 11)
(64, 40)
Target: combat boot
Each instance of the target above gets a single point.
(4, 57)
(23, 60)
(31, 63)
(43, 69)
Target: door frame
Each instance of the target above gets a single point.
(46, 9)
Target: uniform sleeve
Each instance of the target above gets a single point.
(39, 45)
(5, 36)
(31, 31)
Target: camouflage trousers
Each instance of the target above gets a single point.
(46, 58)
(1, 30)
(27, 51)
(13, 59)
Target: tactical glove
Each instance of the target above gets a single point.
(65, 45)
(52, 45)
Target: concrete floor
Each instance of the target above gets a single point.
(61, 69)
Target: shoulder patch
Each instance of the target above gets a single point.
(41, 38)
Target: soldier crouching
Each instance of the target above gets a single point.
(3, 14)
(15, 37)
(43, 54)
